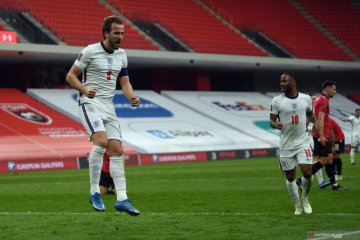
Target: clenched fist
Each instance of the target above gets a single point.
(135, 101)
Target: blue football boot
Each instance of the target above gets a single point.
(125, 206)
(324, 184)
(97, 202)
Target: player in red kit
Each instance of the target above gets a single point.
(322, 144)
(106, 182)
(338, 143)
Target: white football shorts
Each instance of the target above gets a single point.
(289, 159)
(97, 118)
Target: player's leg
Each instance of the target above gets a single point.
(288, 166)
(306, 186)
(92, 122)
(105, 183)
(99, 140)
(318, 174)
(352, 154)
(326, 157)
(320, 161)
(304, 160)
(117, 170)
(337, 163)
(355, 139)
(338, 166)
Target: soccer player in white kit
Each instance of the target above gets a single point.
(355, 132)
(102, 65)
(289, 113)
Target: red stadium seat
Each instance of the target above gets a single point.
(190, 23)
(340, 18)
(280, 21)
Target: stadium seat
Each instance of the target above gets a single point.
(189, 22)
(340, 18)
(73, 24)
(354, 96)
(282, 23)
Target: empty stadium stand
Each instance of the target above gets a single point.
(191, 23)
(354, 96)
(282, 23)
(339, 17)
(76, 22)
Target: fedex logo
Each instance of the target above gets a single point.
(239, 106)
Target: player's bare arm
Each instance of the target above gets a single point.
(73, 80)
(274, 123)
(345, 119)
(310, 116)
(128, 91)
(321, 119)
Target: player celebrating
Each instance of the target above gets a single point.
(102, 65)
(289, 113)
(355, 132)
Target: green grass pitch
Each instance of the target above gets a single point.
(239, 199)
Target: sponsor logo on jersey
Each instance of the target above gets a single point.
(146, 108)
(238, 106)
(26, 112)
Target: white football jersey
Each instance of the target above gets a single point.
(100, 70)
(355, 125)
(292, 114)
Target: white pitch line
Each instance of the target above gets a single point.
(178, 213)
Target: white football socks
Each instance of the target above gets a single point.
(352, 155)
(293, 191)
(306, 185)
(117, 172)
(319, 176)
(95, 165)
